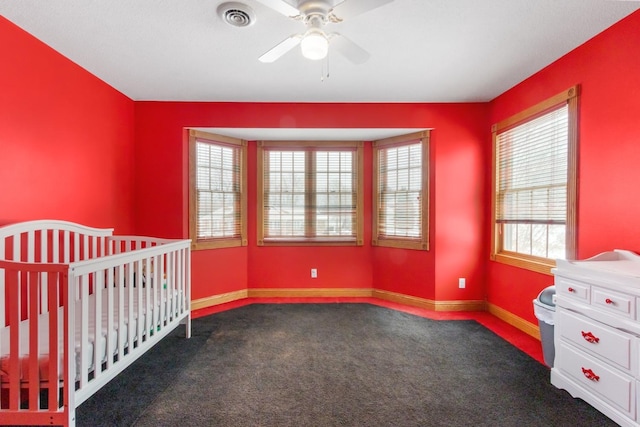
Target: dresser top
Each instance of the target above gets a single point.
(612, 265)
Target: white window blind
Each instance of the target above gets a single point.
(218, 190)
(310, 193)
(285, 200)
(531, 197)
(400, 191)
(335, 193)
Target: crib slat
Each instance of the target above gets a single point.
(155, 289)
(31, 246)
(138, 309)
(163, 292)
(76, 247)
(55, 246)
(83, 286)
(85, 246)
(184, 280)
(45, 277)
(120, 287)
(148, 318)
(54, 351)
(98, 280)
(44, 246)
(170, 285)
(66, 246)
(12, 281)
(187, 290)
(34, 332)
(110, 344)
(101, 246)
(69, 320)
(179, 282)
(130, 326)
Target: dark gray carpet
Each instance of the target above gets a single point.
(334, 365)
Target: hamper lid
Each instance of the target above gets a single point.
(546, 296)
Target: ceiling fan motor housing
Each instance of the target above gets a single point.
(315, 12)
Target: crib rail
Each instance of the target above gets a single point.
(71, 328)
(145, 293)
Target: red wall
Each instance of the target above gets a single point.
(608, 70)
(457, 199)
(459, 154)
(66, 139)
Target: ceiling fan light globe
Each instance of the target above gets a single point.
(314, 46)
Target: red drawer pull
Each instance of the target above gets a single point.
(608, 301)
(571, 290)
(588, 336)
(590, 375)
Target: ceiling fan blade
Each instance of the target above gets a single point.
(281, 6)
(280, 49)
(349, 49)
(351, 8)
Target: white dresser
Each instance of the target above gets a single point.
(597, 330)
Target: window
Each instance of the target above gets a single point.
(535, 164)
(217, 191)
(401, 192)
(310, 193)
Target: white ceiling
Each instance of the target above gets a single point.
(421, 50)
(311, 134)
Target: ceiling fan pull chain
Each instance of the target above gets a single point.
(324, 75)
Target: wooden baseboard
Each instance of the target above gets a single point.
(309, 293)
(428, 304)
(518, 322)
(409, 300)
(198, 304)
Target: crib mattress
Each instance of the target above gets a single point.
(100, 344)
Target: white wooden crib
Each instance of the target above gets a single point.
(79, 305)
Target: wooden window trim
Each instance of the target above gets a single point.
(315, 241)
(216, 243)
(570, 97)
(421, 243)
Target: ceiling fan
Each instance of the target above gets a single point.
(315, 14)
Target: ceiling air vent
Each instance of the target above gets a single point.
(236, 14)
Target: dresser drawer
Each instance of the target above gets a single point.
(603, 340)
(614, 302)
(612, 385)
(573, 289)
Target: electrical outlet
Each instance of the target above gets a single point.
(462, 282)
(314, 273)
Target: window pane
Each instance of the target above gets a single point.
(523, 244)
(510, 237)
(539, 243)
(557, 241)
